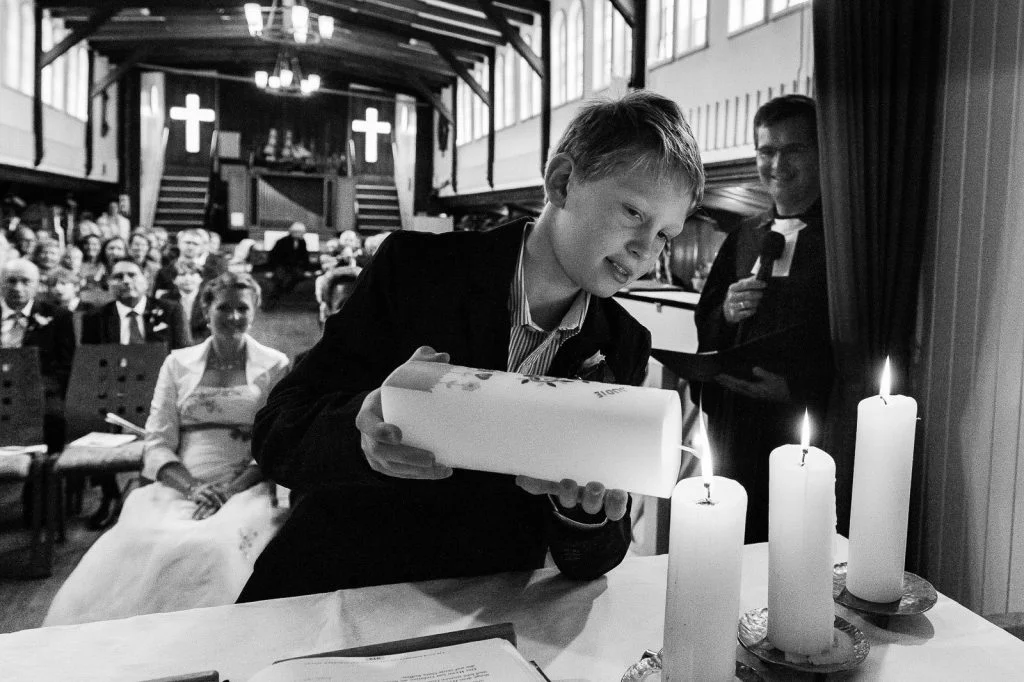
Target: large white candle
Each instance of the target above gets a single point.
(622, 436)
(881, 494)
(801, 532)
(705, 562)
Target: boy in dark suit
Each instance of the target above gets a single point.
(529, 297)
(24, 322)
(132, 317)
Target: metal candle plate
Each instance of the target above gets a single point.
(918, 596)
(649, 666)
(753, 635)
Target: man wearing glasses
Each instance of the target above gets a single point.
(786, 308)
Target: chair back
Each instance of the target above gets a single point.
(21, 396)
(110, 377)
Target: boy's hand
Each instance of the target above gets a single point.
(769, 386)
(382, 442)
(593, 497)
(742, 299)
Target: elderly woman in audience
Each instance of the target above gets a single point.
(190, 539)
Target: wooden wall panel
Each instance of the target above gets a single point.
(972, 372)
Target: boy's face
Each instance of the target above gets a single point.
(611, 230)
(187, 282)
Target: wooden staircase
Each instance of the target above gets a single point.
(182, 201)
(377, 207)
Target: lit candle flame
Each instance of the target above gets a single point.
(805, 432)
(886, 383)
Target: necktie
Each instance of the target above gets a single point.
(134, 333)
(15, 335)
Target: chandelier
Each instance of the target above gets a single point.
(288, 21)
(287, 78)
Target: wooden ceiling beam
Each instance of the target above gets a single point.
(464, 74)
(494, 14)
(98, 17)
(137, 55)
(513, 10)
(414, 9)
(452, 39)
(626, 9)
(435, 100)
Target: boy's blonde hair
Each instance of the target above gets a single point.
(640, 131)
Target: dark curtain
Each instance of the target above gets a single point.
(876, 75)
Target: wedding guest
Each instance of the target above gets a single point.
(189, 540)
(373, 243)
(333, 288)
(138, 250)
(47, 255)
(93, 271)
(24, 240)
(132, 317)
(114, 249)
(530, 297)
(72, 259)
(65, 293)
(289, 261)
(186, 293)
(193, 248)
(113, 224)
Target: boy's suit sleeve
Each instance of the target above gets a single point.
(305, 436)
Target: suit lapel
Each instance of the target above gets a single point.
(593, 337)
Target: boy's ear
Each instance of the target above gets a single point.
(556, 179)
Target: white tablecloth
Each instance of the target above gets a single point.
(576, 631)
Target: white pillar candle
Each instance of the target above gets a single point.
(883, 463)
(625, 437)
(801, 532)
(705, 566)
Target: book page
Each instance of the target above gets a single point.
(103, 440)
(489, 659)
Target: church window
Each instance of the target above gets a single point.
(559, 61)
(691, 25)
(744, 13)
(509, 88)
(602, 61)
(783, 5)
(498, 96)
(28, 38)
(574, 52)
(535, 78)
(622, 46)
(661, 27)
(47, 75)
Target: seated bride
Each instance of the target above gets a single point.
(190, 539)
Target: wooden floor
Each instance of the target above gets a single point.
(291, 327)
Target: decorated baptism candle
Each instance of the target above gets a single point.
(881, 494)
(705, 568)
(801, 531)
(622, 436)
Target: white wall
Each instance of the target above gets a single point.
(63, 135)
(718, 87)
(971, 375)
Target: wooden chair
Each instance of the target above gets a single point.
(21, 424)
(105, 378)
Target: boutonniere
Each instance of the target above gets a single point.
(156, 313)
(160, 326)
(42, 320)
(595, 368)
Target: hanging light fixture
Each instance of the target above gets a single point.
(287, 78)
(287, 21)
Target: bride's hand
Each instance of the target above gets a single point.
(204, 510)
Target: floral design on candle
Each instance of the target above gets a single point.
(883, 464)
(705, 565)
(801, 532)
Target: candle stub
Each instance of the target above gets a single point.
(625, 437)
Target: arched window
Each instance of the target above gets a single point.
(602, 44)
(46, 27)
(60, 68)
(559, 62)
(574, 52)
(12, 43)
(509, 88)
(28, 38)
(498, 94)
(622, 46)
(84, 101)
(661, 27)
(691, 25)
(535, 80)
(525, 85)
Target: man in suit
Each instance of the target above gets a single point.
(132, 317)
(193, 247)
(24, 322)
(289, 261)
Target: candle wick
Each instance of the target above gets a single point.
(883, 399)
(803, 457)
(707, 500)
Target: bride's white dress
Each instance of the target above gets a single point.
(157, 558)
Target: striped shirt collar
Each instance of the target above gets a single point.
(519, 306)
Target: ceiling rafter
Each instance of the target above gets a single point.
(137, 55)
(465, 74)
(512, 36)
(79, 33)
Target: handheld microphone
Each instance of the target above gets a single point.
(772, 247)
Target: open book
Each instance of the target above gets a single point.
(487, 659)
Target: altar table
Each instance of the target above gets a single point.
(590, 631)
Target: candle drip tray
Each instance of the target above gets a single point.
(918, 596)
(648, 669)
(851, 645)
